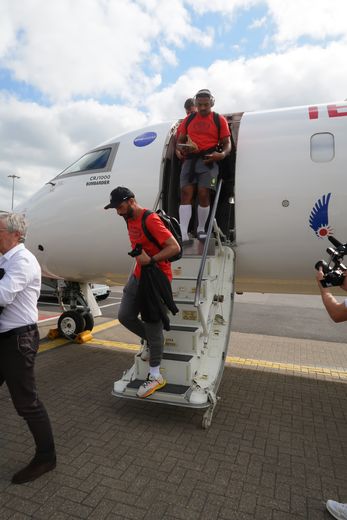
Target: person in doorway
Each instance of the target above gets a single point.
(123, 200)
(189, 107)
(200, 136)
(19, 340)
(338, 313)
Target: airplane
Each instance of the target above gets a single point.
(282, 194)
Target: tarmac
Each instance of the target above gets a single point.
(276, 449)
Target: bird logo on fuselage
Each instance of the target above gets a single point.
(319, 217)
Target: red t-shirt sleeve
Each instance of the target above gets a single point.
(157, 229)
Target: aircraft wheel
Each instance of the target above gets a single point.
(88, 318)
(71, 323)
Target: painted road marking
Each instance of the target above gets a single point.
(49, 318)
(109, 305)
(229, 360)
(50, 344)
(303, 369)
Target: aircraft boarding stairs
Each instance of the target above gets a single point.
(196, 346)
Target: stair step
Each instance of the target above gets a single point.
(188, 267)
(188, 314)
(184, 328)
(169, 388)
(184, 288)
(177, 357)
(174, 367)
(183, 339)
(196, 248)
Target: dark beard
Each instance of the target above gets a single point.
(130, 214)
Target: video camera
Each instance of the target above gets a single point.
(334, 270)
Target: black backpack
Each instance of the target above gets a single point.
(171, 224)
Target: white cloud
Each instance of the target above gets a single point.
(226, 7)
(39, 142)
(168, 55)
(260, 22)
(88, 48)
(295, 77)
(92, 47)
(319, 19)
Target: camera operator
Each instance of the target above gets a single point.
(19, 341)
(338, 313)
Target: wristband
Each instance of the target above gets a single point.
(152, 261)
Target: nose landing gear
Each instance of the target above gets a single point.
(78, 319)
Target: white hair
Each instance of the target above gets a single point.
(15, 222)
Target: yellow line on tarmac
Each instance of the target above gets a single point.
(113, 344)
(247, 362)
(106, 325)
(50, 344)
(303, 369)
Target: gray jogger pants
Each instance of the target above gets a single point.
(128, 315)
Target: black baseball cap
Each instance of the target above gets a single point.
(119, 195)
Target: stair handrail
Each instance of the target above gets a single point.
(206, 244)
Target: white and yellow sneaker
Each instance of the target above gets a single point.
(337, 510)
(151, 385)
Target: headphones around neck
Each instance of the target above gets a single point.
(204, 92)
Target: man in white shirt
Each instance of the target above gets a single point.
(19, 340)
(338, 313)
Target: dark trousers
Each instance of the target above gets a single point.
(17, 359)
(128, 315)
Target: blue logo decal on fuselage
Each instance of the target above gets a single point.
(145, 139)
(319, 218)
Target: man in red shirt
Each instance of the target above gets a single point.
(189, 107)
(123, 200)
(200, 139)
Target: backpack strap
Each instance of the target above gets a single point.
(216, 119)
(146, 230)
(189, 120)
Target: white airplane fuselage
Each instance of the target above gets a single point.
(290, 165)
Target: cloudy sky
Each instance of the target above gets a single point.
(73, 73)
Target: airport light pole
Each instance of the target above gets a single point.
(13, 177)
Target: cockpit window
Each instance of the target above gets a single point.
(96, 160)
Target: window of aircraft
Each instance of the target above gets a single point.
(96, 160)
(322, 147)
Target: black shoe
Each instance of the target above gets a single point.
(34, 470)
